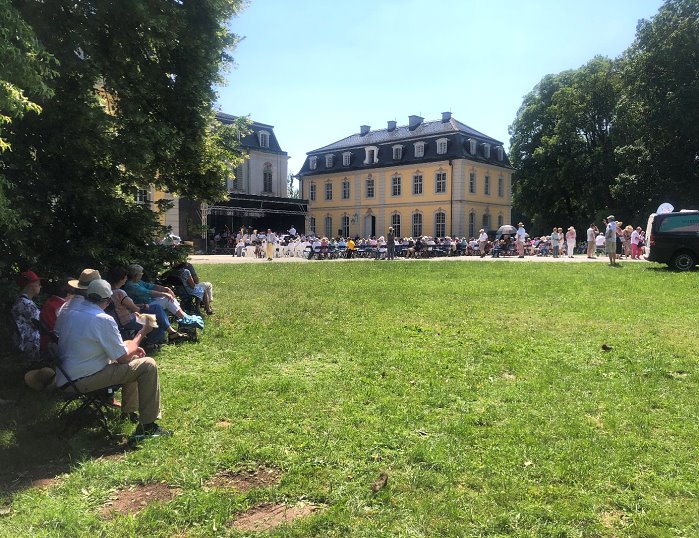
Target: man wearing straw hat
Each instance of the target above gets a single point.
(521, 237)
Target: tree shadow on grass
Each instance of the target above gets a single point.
(35, 450)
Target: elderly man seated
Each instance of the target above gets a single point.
(94, 355)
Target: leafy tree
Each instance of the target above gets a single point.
(131, 106)
(658, 114)
(562, 146)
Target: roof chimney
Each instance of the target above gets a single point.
(391, 126)
(364, 129)
(414, 122)
(446, 116)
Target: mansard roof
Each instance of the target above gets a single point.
(458, 135)
(252, 139)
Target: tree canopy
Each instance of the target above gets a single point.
(126, 94)
(614, 135)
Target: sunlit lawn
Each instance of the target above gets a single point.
(481, 389)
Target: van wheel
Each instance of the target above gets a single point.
(683, 261)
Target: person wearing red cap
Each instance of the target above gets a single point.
(24, 312)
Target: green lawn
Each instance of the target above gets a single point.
(481, 389)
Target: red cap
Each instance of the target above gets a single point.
(27, 278)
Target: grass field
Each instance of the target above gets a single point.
(481, 390)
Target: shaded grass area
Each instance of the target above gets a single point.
(481, 389)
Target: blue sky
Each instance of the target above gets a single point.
(317, 70)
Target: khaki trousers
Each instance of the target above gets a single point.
(141, 386)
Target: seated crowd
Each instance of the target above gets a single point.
(100, 332)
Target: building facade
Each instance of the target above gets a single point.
(438, 178)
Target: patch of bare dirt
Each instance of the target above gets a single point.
(40, 476)
(614, 519)
(136, 498)
(268, 516)
(261, 477)
(224, 424)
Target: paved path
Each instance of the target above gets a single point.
(580, 258)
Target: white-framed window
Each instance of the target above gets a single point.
(370, 187)
(419, 149)
(442, 146)
(501, 153)
(417, 224)
(501, 187)
(471, 224)
(313, 162)
(486, 185)
(345, 189)
(312, 224)
(473, 146)
(417, 184)
(440, 182)
(267, 177)
(397, 152)
(472, 183)
(264, 139)
(486, 221)
(328, 226)
(372, 155)
(141, 196)
(345, 226)
(486, 150)
(395, 186)
(395, 222)
(312, 192)
(328, 191)
(440, 224)
(329, 161)
(501, 220)
(346, 158)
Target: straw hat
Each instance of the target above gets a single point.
(87, 276)
(39, 379)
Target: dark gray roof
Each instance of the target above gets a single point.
(252, 140)
(459, 138)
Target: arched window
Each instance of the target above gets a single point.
(345, 226)
(440, 224)
(472, 224)
(486, 221)
(267, 177)
(395, 222)
(417, 225)
(328, 226)
(501, 220)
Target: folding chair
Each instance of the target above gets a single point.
(188, 302)
(94, 404)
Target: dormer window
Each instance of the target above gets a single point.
(500, 153)
(441, 146)
(346, 158)
(372, 155)
(329, 161)
(397, 152)
(264, 139)
(486, 150)
(472, 146)
(313, 162)
(419, 149)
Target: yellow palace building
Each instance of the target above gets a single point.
(434, 178)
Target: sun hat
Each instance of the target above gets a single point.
(99, 289)
(134, 269)
(26, 278)
(521, 224)
(39, 379)
(610, 217)
(571, 228)
(87, 276)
